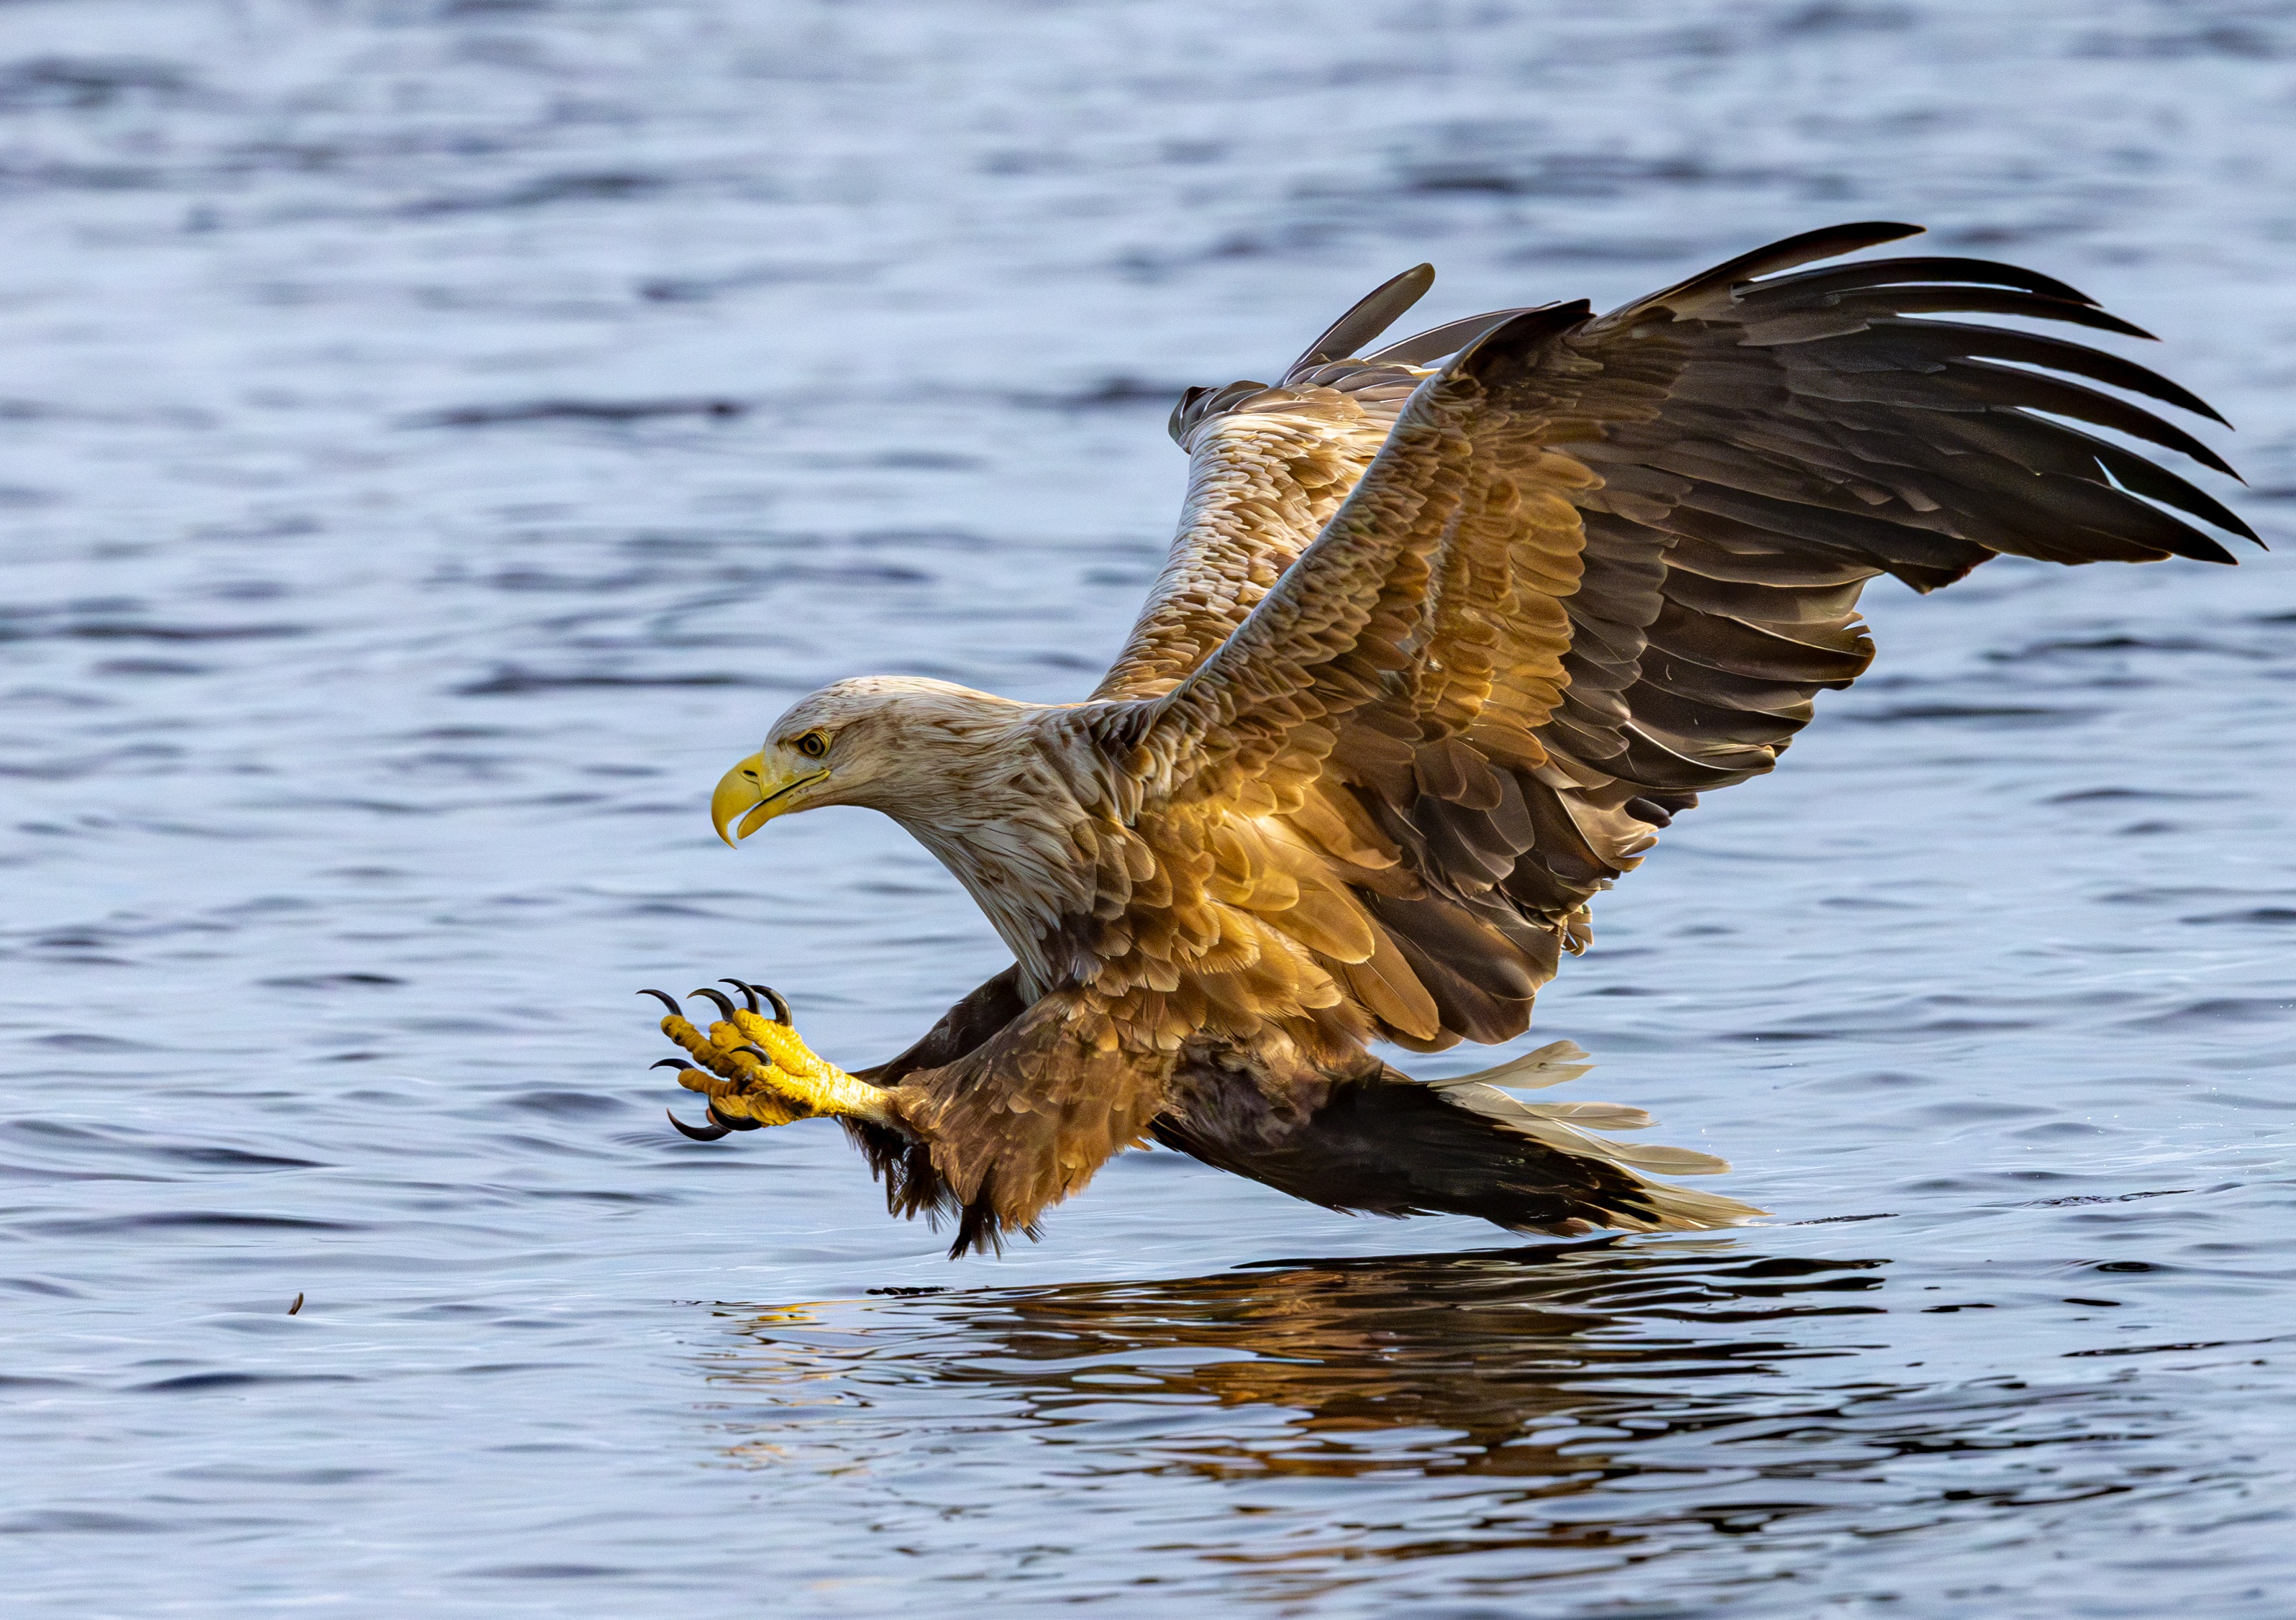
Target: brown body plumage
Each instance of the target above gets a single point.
(1440, 648)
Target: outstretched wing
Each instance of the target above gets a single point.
(1600, 565)
(1268, 466)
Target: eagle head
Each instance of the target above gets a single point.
(910, 747)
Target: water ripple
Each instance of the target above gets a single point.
(442, 437)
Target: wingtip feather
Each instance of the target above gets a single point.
(1371, 314)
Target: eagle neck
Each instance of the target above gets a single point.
(1007, 831)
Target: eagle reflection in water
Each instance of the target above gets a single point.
(1519, 1362)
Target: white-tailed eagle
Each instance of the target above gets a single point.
(1451, 630)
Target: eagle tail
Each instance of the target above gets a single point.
(1385, 1144)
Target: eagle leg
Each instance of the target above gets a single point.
(758, 1072)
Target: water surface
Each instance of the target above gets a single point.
(440, 436)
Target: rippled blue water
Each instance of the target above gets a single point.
(438, 438)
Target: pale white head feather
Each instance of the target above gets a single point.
(966, 773)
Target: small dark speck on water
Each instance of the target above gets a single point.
(441, 436)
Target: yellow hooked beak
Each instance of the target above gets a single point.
(759, 785)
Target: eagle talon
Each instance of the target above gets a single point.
(780, 1004)
(700, 1133)
(676, 1009)
(764, 1072)
(732, 1122)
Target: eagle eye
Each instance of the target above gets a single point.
(813, 744)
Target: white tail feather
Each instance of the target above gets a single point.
(1550, 1066)
(1559, 1126)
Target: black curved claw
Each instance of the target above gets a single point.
(666, 999)
(757, 1052)
(733, 1122)
(781, 1006)
(724, 1005)
(749, 991)
(700, 1133)
(671, 1063)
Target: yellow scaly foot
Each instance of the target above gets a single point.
(758, 1071)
